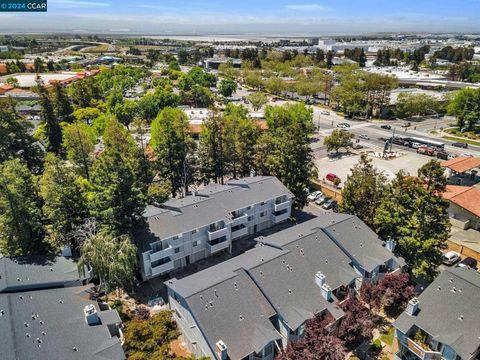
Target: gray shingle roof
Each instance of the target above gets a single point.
(453, 293)
(211, 204)
(55, 328)
(236, 312)
(37, 272)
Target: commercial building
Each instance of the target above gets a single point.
(186, 230)
(46, 313)
(443, 322)
(251, 306)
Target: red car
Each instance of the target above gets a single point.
(331, 177)
(426, 151)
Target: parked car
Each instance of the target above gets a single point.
(468, 262)
(451, 258)
(327, 205)
(357, 146)
(460, 145)
(331, 177)
(416, 145)
(312, 196)
(406, 124)
(442, 155)
(321, 199)
(385, 126)
(426, 151)
(324, 112)
(364, 136)
(466, 155)
(451, 156)
(343, 125)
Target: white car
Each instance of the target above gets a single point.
(324, 112)
(314, 195)
(416, 145)
(466, 155)
(364, 137)
(450, 258)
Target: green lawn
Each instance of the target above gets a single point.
(387, 337)
(471, 142)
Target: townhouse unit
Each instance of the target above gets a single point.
(46, 313)
(251, 306)
(444, 321)
(186, 230)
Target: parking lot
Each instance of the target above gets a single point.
(341, 166)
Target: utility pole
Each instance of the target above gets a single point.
(391, 140)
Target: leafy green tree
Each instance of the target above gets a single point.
(53, 131)
(151, 104)
(416, 104)
(227, 87)
(363, 191)
(284, 149)
(38, 65)
(87, 115)
(150, 339)
(466, 107)
(116, 198)
(338, 139)
(212, 148)
(253, 79)
(196, 77)
(174, 148)
(15, 139)
(13, 81)
(112, 259)
(21, 230)
(414, 215)
(64, 203)
(197, 96)
(79, 142)
(61, 103)
(126, 112)
(257, 100)
(275, 85)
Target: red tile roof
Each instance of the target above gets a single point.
(465, 197)
(462, 163)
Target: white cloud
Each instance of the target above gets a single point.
(306, 7)
(77, 4)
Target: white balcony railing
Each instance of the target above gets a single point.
(217, 247)
(160, 269)
(162, 254)
(240, 232)
(280, 218)
(422, 353)
(282, 206)
(240, 220)
(212, 235)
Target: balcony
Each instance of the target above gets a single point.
(282, 206)
(217, 245)
(240, 220)
(168, 251)
(278, 217)
(215, 234)
(162, 268)
(239, 232)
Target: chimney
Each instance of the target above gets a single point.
(221, 350)
(412, 307)
(319, 279)
(91, 315)
(326, 292)
(390, 245)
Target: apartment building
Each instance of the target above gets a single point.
(443, 322)
(46, 313)
(187, 230)
(251, 306)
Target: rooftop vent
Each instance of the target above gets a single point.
(412, 306)
(221, 350)
(91, 315)
(319, 279)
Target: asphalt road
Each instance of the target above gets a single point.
(376, 134)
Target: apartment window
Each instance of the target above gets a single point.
(194, 243)
(175, 237)
(250, 218)
(194, 231)
(178, 249)
(263, 213)
(268, 349)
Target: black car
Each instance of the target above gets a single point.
(460, 145)
(442, 155)
(468, 262)
(388, 127)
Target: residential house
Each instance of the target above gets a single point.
(186, 230)
(443, 322)
(249, 307)
(464, 207)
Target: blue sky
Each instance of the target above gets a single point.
(250, 16)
